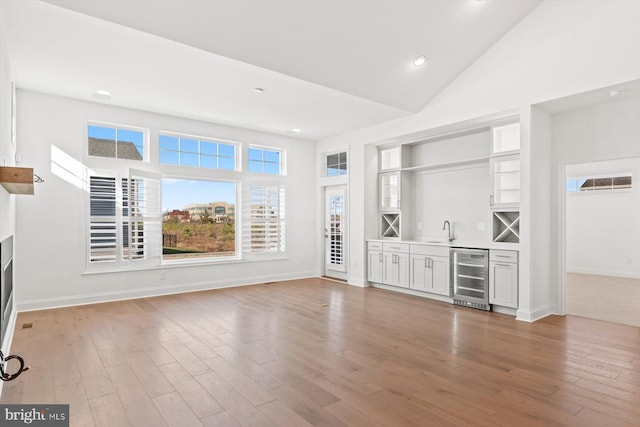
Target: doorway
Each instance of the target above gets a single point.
(335, 232)
(602, 236)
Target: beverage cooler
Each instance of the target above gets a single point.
(470, 277)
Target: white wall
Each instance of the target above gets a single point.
(50, 225)
(460, 196)
(560, 48)
(603, 229)
(608, 134)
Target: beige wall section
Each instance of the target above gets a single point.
(559, 49)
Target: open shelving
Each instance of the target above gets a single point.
(390, 225)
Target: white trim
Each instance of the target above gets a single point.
(358, 282)
(75, 300)
(503, 310)
(536, 313)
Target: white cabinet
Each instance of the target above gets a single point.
(505, 181)
(389, 186)
(375, 264)
(503, 278)
(505, 166)
(396, 264)
(430, 274)
(429, 269)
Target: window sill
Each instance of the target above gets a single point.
(185, 263)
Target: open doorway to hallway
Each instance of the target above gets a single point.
(602, 240)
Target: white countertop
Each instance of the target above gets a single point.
(457, 243)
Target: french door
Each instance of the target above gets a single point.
(335, 223)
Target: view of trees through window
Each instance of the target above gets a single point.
(198, 219)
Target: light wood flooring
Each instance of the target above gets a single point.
(614, 299)
(316, 352)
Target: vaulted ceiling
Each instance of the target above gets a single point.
(325, 67)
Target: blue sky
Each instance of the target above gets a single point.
(177, 193)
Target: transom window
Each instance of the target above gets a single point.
(337, 164)
(264, 160)
(599, 183)
(115, 142)
(196, 152)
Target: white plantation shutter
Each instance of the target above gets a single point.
(145, 217)
(264, 219)
(124, 219)
(103, 224)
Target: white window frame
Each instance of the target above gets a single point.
(283, 159)
(325, 168)
(281, 220)
(237, 148)
(149, 215)
(118, 126)
(238, 224)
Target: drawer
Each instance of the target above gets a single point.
(503, 256)
(442, 251)
(395, 247)
(374, 246)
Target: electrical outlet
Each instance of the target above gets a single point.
(482, 226)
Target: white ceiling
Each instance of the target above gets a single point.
(327, 67)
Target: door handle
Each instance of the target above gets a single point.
(380, 257)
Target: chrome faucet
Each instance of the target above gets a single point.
(447, 225)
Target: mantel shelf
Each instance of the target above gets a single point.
(17, 180)
(447, 165)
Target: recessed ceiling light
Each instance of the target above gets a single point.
(101, 94)
(419, 61)
(258, 90)
(296, 130)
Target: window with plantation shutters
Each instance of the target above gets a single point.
(264, 219)
(124, 219)
(103, 224)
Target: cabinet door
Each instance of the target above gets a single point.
(402, 265)
(375, 266)
(503, 284)
(389, 270)
(389, 185)
(420, 274)
(440, 276)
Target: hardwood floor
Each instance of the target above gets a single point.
(315, 352)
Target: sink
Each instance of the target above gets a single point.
(436, 241)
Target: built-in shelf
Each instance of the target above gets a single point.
(506, 227)
(17, 180)
(390, 225)
(447, 165)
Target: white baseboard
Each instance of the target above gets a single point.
(58, 302)
(503, 310)
(358, 282)
(597, 272)
(536, 313)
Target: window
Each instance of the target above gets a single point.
(123, 218)
(196, 152)
(620, 181)
(337, 164)
(268, 161)
(115, 142)
(198, 219)
(264, 220)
